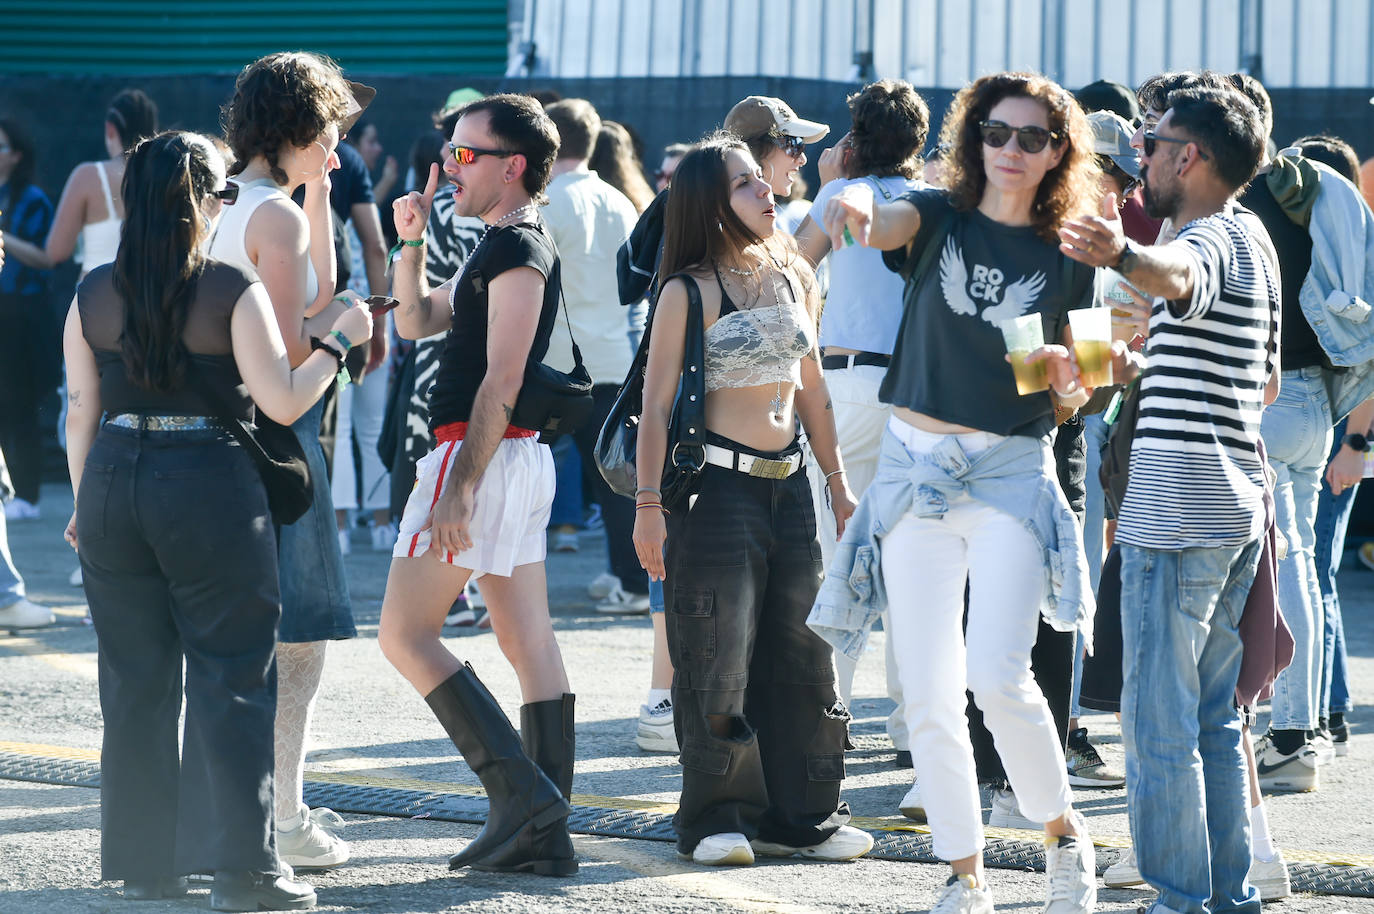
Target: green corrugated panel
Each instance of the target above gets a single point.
(214, 36)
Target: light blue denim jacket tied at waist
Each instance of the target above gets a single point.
(1015, 476)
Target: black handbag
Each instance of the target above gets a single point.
(616, 445)
(276, 451)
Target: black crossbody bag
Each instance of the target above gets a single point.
(617, 445)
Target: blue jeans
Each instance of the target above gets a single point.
(1333, 515)
(1095, 431)
(315, 605)
(1297, 432)
(567, 493)
(1186, 781)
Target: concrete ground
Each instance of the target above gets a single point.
(370, 723)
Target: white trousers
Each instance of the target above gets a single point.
(926, 563)
(860, 420)
(362, 407)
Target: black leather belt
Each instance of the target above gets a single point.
(834, 362)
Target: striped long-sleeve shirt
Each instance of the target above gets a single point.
(1195, 477)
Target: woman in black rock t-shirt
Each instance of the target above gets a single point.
(1020, 163)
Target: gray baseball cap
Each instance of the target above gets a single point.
(1112, 138)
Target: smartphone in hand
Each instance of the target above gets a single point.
(380, 304)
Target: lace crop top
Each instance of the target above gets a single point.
(757, 346)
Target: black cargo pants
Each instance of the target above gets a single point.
(743, 566)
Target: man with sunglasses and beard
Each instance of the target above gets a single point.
(1190, 525)
(482, 497)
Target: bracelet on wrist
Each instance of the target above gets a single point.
(839, 472)
(343, 340)
(652, 504)
(640, 491)
(318, 344)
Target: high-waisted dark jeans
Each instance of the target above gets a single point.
(743, 568)
(178, 557)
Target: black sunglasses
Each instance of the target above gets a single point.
(1030, 139)
(792, 145)
(1151, 138)
(466, 155)
(228, 194)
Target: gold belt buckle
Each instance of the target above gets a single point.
(770, 469)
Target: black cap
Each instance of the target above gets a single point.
(1105, 95)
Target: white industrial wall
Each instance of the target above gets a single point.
(945, 43)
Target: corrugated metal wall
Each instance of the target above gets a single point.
(147, 37)
(946, 43)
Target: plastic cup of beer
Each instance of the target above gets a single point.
(1024, 335)
(1092, 344)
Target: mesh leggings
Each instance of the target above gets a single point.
(299, 669)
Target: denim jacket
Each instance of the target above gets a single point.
(1337, 294)
(1015, 476)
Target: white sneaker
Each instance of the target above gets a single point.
(345, 543)
(19, 509)
(1270, 878)
(848, 843)
(474, 596)
(1324, 747)
(601, 586)
(961, 896)
(622, 603)
(1124, 872)
(310, 846)
(75, 578)
(24, 613)
(655, 732)
(726, 849)
(1296, 771)
(1071, 868)
(1006, 813)
(383, 537)
(911, 805)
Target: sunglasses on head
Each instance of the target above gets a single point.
(792, 145)
(1030, 139)
(1151, 138)
(466, 155)
(228, 194)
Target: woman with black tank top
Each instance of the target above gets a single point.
(174, 534)
(761, 730)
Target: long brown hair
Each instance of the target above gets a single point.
(1069, 189)
(699, 225)
(615, 162)
(160, 262)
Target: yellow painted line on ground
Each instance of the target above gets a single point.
(83, 665)
(683, 879)
(375, 777)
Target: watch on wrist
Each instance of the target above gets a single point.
(1126, 262)
(1356, 442)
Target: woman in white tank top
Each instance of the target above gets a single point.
(91, 208)
(291, 249)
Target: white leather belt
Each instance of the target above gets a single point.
(763, 467)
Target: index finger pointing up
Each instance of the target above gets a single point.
(431, 185)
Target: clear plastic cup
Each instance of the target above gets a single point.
(1092, 344)
(1024, 335)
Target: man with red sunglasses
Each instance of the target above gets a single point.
(482, 498)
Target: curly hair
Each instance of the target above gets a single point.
(1069, 189)
(890, 121)
(281, 101)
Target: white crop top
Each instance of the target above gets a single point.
(100, 240)
(758, 346)
(229, 245)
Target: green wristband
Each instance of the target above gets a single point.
(413, 244)
(347, 344)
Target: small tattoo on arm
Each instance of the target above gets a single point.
(510, 413)
(74, 397)
(829, 404)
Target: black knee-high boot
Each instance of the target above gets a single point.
(523, 799)
(546, 729)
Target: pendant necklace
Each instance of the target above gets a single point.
(776, 404)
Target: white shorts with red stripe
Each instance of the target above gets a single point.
(511, 511)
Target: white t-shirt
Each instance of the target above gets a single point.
(589, 221)
(864, 306)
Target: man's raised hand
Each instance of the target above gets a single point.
(1095, 240)
(411, 212)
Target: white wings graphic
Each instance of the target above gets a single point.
(954, 280)
(1017, 300)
